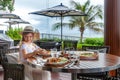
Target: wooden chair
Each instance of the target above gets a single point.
(3, 57)
(95, 76)
(49, 45)
(100, 49)
(70, 45)
(11, 71)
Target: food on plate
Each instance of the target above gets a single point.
(87, 54)
(64, 54)
(57, 60)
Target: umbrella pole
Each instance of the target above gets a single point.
(10, 24)
(61, 28)
(62, 45)
(18, 25)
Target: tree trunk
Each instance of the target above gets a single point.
(81, 35)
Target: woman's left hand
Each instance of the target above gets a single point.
(43, 51)
(36, 52)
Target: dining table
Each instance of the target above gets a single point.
(104, 63)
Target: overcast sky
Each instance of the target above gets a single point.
(23, 7)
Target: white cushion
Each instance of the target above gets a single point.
(13, 57)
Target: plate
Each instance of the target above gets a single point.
(56, 62)
(88, 56)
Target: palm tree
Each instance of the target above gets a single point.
(83, 22)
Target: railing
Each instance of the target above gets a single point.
(56, 36)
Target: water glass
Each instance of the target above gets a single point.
(74, 57)
(54, 52)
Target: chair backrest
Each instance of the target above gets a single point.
(13, 71)
(4, 45)
(70, 45)
(3, 57)
(101, 49)
(49, 45)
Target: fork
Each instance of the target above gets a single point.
(70, 64)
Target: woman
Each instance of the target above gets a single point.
(28, 52)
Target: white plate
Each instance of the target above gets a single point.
(59, 63)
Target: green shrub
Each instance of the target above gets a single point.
(91, 42)
(94, 41)
(14, 33)
(79, 46)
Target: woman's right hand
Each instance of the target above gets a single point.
(36, 52)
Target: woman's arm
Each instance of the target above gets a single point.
(42, 51)
(27, 55)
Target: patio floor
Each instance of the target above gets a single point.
(1, 75)
(63, 76)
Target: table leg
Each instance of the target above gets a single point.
(74, 76)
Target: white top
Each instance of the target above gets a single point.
(29, 49)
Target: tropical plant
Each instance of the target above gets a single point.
(94, 41)
(14, 33)
(91, 42)
(84, 22)
(7, 5)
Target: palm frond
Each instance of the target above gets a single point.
(58, 25)
(94, 16)
(96, 29)
(89, 10)
(76, 5)
(86, 5)
(98, 24)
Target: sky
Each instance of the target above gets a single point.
(43, 23)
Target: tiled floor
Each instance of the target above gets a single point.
(1, 75)
(55, 76)
(62, 76)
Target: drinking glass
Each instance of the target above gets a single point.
(54, 52)
(74, 57)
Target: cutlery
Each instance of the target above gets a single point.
(70, 64)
